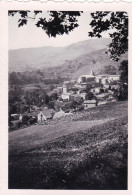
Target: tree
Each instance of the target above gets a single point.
(15, 79)
(123, 86)
(38, 97)
(118, 23)
(58, 22)
(15, 98)
(89, 96)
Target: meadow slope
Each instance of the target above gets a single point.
(87, 150)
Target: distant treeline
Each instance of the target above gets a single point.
(38, 76)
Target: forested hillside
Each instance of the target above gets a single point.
(98, 61)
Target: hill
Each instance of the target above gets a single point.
(79, 152)
(37, 58)
(98, 61)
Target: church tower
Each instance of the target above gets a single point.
(92, 73)
(64, 89)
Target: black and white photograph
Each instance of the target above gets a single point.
(68, 99)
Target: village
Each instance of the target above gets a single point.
(67, 80)
(73, 96)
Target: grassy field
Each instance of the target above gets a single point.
(87, 150)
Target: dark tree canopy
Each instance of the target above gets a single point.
(124, 72)
(123, 80)
(116, 21)
(58, 23)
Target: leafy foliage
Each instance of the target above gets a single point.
(124, 72)
(117, 22)
(123, 95)
(58, 23)
(33, 77)
(22, 22)
(36, 97)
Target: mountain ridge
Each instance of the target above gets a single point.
(37, 58)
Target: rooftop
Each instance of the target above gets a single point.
(90, 102)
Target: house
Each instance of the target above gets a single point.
(98, 79)
(105, 78)
(113, 77)
(45, 114)
(114, 86)
(67, 86)
(96, 90)
(102, 96)
(83, 95)
(75, 97)
(80, 86)
(105, 81)
(89, 104)
(65, 96)
(15, 117)
(102, 103)
(86, 78)
(106, 86)
(59, 114)
(41, 117)
(48, 113)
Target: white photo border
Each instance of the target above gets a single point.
(4, 7)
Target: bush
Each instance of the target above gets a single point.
(123, 86)
(32, 120)
(25, 119)
(15, 125)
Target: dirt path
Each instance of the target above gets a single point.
(33, 136)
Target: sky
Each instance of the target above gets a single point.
(29, 35)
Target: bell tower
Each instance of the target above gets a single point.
(64, 89)
(92, 73)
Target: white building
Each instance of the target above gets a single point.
(83, 95)
(59, 114)
(65, 96)
(89, 104)
(96, 90)
(104, 79)
(45, 114)
(64, 90)
(86, 78)
(113, 77)
(41, 117)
